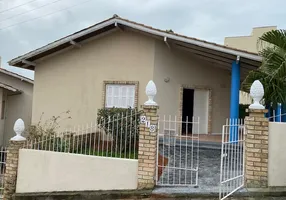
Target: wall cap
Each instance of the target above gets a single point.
(256, 93)
(19, 128)
(151, 92)
(256, 110)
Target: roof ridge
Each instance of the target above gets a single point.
(117, 19)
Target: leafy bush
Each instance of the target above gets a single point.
(44, 134)
(123, 125)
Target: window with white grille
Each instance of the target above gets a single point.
(120, 96)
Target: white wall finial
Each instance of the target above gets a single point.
(151, 92)
(257, 93)
(19, 128)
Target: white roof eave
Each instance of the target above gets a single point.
(10, 88)
(192, 41)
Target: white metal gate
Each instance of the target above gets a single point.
(177, 152)
(232, 158)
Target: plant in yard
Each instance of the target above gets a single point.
(45, 133)
(272, 72)
(123, 125)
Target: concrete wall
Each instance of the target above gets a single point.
(277, 158)
(17, 105)
(44, 171)
(73, 80)
(183, 69)
(248, 43)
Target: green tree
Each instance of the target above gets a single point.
(272, 72)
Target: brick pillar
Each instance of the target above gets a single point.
(11, 168)
(147, 148)
(256, 166)
(12, 158)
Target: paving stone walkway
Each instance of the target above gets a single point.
(183, 160)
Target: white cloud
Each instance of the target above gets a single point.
(205, 19)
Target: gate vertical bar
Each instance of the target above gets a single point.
(231, 173)
(222, 163)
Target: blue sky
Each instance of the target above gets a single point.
(210, 20)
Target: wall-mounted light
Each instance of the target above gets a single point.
(167, 79)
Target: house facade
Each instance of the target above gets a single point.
(248, 43)
(16, 94)
(110, 63)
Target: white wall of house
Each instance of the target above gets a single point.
(16, 105)
(44, 171)
(276, 159)
(73, 79)
(184, 69)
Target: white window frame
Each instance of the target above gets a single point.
(123, 97)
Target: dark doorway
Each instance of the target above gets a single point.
(188, 110)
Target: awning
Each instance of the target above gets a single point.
(10, 88)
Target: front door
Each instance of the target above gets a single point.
(188, 111)
(201, 104)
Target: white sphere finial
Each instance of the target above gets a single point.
(151, 92)
(257, 93)
(19, 128)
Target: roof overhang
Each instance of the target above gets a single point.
(28, 60)
(10, 88)
(22, 78)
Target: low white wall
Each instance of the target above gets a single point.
(277, 158)
(44, 171)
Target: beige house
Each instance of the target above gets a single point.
(247, 43)
(110, 63)
(16, 93)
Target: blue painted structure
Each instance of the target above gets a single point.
(278, 113)
(283, 113)
(268, 114)
(234, 99)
